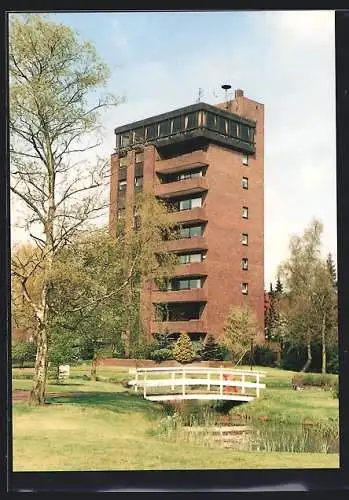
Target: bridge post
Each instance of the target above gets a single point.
(243, 384)
(136, 384)
(183, 384)
(221, 380)
(145, 384)
(257, 389)
(173, 377)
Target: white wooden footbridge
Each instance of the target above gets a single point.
(191, 382)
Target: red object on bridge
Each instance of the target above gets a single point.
(228, 376)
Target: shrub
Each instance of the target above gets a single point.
(161, 355)
(142, 350)
(210, 349)
(326, 381)
(183, 351)
(264, 356)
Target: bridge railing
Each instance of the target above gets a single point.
(184, 378)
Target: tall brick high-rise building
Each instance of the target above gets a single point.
(208, 162)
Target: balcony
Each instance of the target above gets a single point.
(183, 188)
(190, 326)
(181, 163)
(193, 295)
(197, 214)
(191, 269)
(196, 243)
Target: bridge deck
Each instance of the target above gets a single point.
(203, 397)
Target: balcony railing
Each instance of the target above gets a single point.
(184, 187)
(191, 269)
(196, 243)
(193, 295)
(197, 214)
(181, 163)
(189, 326)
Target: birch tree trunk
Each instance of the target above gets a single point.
(323, 339)
(309, 360)
(94, 366)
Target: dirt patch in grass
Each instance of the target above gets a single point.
(21, 395)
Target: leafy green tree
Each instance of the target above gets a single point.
(325, 308)
(183, 351)
(64, 349)
(22, 351)
(309, 293)
(240, 332)
(53, 121)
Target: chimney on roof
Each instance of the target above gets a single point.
(239, 93)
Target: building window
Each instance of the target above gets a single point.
(244, 239)
(123, 161)
(139, 183)
(189, 204)
(139, 135)
(190, 232)
(244, 182)
(190, 257)
(150, 132)
(140, 157)
(122, 185)
(125, 140)
(245, 212)
(184, 284)
(244, 288)
(222, 125)
(245, 159)
(189, 175)
(164, 128)
(244, 264)
(177, 124)
(232, 128)
(191, 121)
(211, 121)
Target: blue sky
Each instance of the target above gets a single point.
(285, 60)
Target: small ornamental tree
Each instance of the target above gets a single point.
(183, 351)
(240, 332)
(210, 349)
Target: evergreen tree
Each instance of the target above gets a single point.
(183, 351)
(210, 349)
(279, 287)
(331, 268)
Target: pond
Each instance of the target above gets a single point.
(210, 428)
(265, 437)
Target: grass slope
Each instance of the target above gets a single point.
(106, 428)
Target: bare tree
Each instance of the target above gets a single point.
(53, 125)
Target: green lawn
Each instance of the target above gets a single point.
(105, 427)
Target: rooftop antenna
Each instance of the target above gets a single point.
(200, 94)
(226, 88)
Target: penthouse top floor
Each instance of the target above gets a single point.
(201, 123)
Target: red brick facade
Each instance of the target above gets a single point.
(221, 212)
